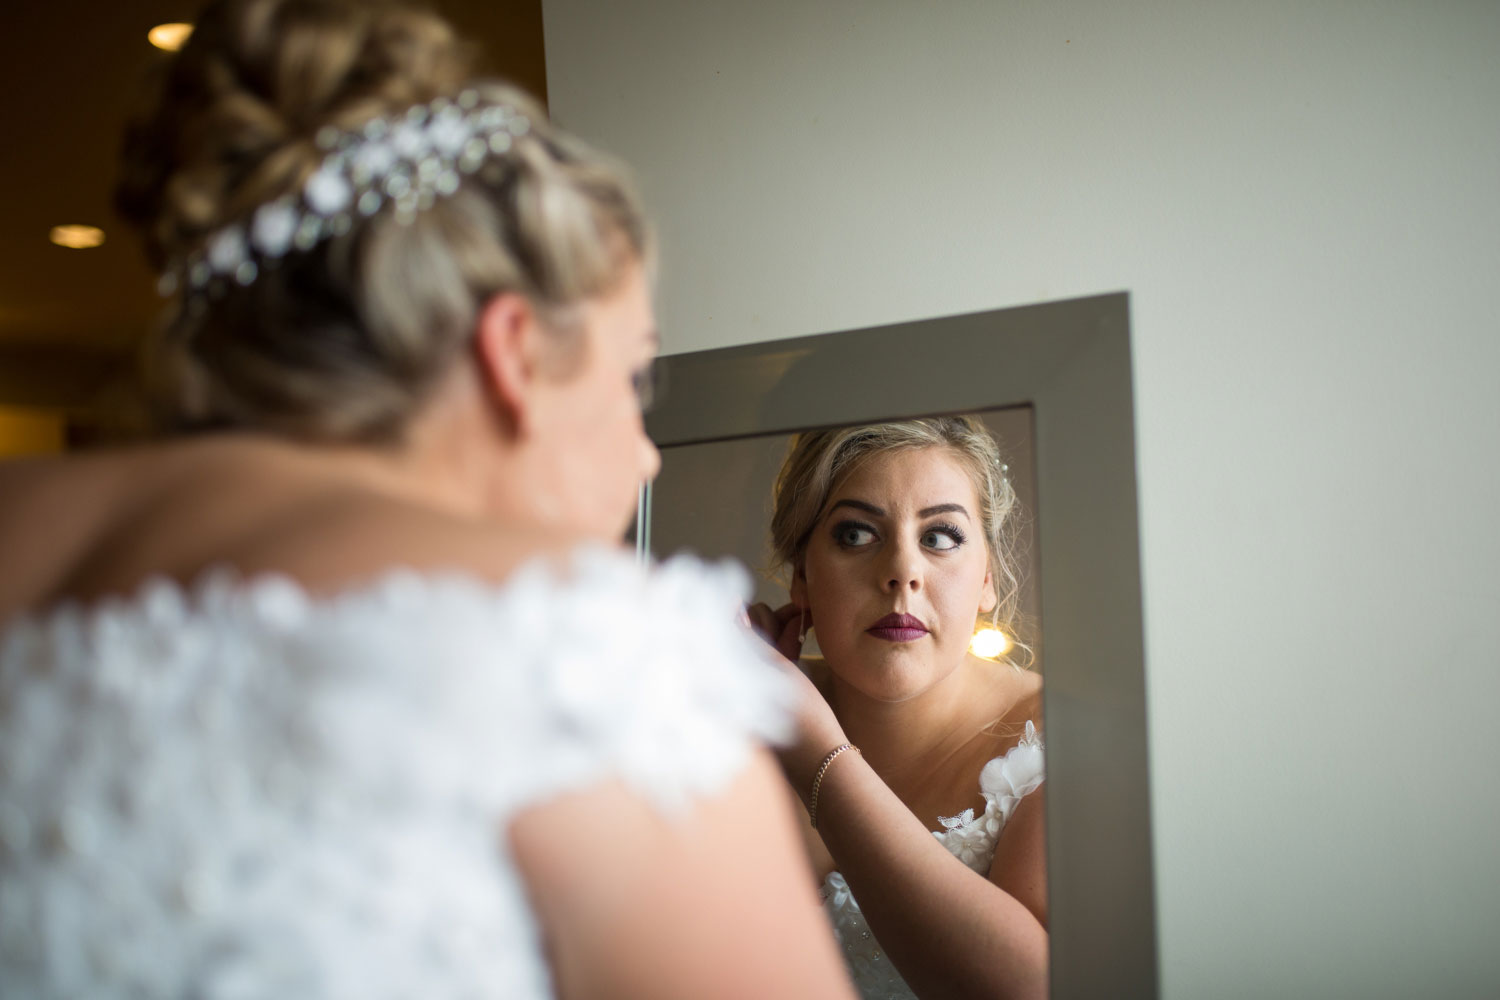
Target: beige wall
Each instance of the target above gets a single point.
(1302, 200)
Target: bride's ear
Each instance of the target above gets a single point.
(798, 588)
(508, 346)
(989, 597)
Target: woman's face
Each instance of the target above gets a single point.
(598, 452)
(896, 572)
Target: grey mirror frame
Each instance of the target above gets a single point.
(1070, 362)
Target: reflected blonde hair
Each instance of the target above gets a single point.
(819, 461)
(346, 341)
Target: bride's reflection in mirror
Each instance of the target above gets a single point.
(898, 543)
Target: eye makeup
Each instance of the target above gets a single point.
(645, 383)
(851, 534)
(953, 531)
(846, 534)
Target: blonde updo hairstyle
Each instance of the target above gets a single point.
(346, 341)
(818, 462)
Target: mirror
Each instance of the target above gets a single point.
(1053, 382)
(715, 499)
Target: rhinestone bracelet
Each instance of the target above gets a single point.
(812, 809)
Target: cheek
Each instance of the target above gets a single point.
(960, 592)
(606, 432)
(832, 594)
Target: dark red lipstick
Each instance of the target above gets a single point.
(898, 628)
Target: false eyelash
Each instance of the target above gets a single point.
(952, 530)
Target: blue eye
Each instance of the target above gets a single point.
(852, 534)
(942, 538)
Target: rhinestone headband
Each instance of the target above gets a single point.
(407, 160)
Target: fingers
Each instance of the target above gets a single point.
(789, 639)
(783, 628)
(772, 622)
(789, 613)
(763, 620)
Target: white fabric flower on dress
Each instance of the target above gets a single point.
(836, 892)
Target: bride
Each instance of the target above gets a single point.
(919, 763)
(346, 689)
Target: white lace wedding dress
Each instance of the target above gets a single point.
(1003, 782)
(235, 790)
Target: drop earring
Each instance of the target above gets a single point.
(801, 626)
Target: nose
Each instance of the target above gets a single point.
(650, 459)
(902, 568)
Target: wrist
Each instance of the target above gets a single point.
(801, 760)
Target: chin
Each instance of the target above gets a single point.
(887, 678)
(894, 693)
(893, 672)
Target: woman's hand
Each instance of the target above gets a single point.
(782, 628)
(818, 729)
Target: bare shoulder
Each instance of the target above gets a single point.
(1018, 701)
(52, 510)
(26, 482)
(97, 526)
(348, 537)
(1028, 703)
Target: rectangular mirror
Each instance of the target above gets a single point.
(1053, 384)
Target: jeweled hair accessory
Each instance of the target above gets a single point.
(408, 161)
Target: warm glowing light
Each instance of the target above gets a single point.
(77, 237)
(989, 643)
(170, 37)
(31, 432)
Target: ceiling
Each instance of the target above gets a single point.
(70, 70)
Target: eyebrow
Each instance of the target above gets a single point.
(869, 508)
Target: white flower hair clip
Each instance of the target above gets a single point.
(408, 161)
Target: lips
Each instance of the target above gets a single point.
(898, 628)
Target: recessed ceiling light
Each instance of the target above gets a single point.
(170, 37)
(77, 237)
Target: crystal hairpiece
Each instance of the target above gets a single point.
(408, 160)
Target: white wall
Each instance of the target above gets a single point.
(1303, 200)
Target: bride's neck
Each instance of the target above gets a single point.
(451, 458)
(918, 735)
